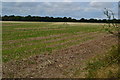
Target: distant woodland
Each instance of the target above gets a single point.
(54, 19)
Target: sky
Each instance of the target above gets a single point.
(63, 8)
(60, 0)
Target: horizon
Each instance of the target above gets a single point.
(57, 17)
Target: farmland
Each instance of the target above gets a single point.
(42, 49)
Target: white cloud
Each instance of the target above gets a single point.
(96, 4)
(68, 1)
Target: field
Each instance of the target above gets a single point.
(51, 49)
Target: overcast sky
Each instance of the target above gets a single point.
(60, 0)
(76, 10)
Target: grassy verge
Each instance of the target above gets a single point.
(105, 66)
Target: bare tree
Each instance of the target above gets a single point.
(111, 26)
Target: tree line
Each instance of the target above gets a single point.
(54, 19)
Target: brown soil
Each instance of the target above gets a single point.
(60, 64)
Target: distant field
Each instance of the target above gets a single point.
(52, 45)
(23, 39)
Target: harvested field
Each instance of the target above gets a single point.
(41, 49)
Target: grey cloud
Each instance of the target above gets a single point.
(72, 9)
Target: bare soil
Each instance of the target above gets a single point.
(61, 63)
